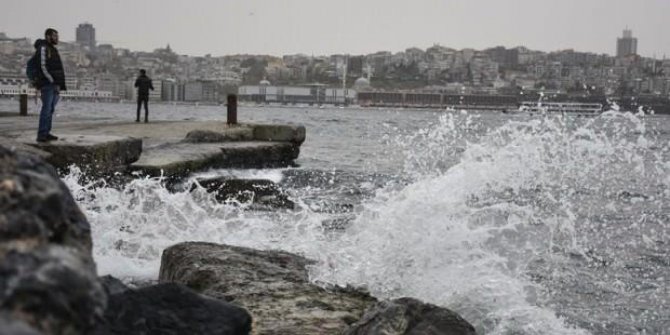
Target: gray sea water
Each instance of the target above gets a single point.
(523, 224)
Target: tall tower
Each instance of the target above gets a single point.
(86, 35)
(626, 45)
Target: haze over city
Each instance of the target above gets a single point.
(335, 167)
(347, 26)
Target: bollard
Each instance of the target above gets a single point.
(232, 109)
(23, 105)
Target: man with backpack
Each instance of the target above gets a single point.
(48, 78)
(143, 84)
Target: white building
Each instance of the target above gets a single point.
(14, 90)
(315, 94)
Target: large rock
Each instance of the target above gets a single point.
(36, 208)
(272, 285)
(407, 316)
(47, 274)
(112, 285)
(171, 309)
(53, 288)
(12, 326)
(261, 193)
(48, 281)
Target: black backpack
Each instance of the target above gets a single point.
(33, 69)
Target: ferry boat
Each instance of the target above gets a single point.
(561, 107)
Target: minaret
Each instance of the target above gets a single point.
(344, 74)
(344, 80)
(653, 65)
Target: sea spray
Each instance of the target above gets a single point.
(507, 225)
(132, 225)
(483, 234)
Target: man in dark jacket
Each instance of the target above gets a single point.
(51, 80)
(143, 84)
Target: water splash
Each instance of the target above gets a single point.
(503, 224)
(483, 235)
(131, 226)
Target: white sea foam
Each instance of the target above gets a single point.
(479, 214)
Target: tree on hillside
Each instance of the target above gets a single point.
(255, 70)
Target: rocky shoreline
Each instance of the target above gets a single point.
(168, 149)
(49, 283)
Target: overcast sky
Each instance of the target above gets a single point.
(322, 27)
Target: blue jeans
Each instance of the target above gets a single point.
(50, 98)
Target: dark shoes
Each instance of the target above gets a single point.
(47, 138)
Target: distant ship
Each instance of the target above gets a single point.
(561, 107)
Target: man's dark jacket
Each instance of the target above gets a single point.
(52, 63)
(143, 84)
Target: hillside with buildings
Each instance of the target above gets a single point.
(103, 70)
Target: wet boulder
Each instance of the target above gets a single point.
(47, 274)
(12, 326)
(170, 309)
(52, 288)
(36, 207)
(272, 285)
(261, 193)
(407, 316)
(112, 285)
(48, 280)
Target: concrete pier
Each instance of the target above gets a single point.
(95, 154)
(180, 159)
(167, 148)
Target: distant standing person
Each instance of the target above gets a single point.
(143, 84)
(50, 81)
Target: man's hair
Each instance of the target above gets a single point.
(143, 71)
(50, 31)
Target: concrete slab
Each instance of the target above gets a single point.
(98, 154)
(174, 147)
(154, 132)
(18, 146)
(274, 132)
(180, 159)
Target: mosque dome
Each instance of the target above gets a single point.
(265, 82)
(361, 83)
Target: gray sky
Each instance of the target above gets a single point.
(321, 27)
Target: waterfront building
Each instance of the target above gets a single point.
(309, 94)
(171, 90)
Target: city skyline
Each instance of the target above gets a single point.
(296, 26)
